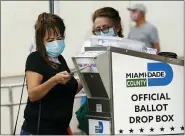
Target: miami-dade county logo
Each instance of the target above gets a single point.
(99, 128)
(158, 74)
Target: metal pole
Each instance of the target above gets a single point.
(11, 110)
(57, 7)
(51, 6)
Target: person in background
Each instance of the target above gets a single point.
(106, 22)
(143, 31)
(51, 89)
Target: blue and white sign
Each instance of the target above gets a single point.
(99, 127)
(157, 74)
(148, 96)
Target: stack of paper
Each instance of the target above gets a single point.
(121, 43)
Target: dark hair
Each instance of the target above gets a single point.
(47, 22)
(110, 13)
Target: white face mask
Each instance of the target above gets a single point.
(134, 16)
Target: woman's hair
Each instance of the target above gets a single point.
(47, 22)
(110, 13)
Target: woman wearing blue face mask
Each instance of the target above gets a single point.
(51, 89)
(106, 22)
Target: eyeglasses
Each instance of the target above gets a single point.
(104, 29)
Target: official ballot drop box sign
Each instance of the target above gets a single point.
(148, 96)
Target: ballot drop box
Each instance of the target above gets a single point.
(131, 92)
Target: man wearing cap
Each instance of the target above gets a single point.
(143, 31)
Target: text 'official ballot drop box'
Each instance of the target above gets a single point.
(132, 92)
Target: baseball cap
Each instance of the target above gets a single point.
(139, 7)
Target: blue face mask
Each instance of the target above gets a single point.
(55, 48)
(109, 33)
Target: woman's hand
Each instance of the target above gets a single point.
(62, 77)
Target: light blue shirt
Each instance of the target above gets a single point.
(147, 33)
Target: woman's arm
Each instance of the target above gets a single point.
(79, 87)
(36, 90)
(156, 46)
